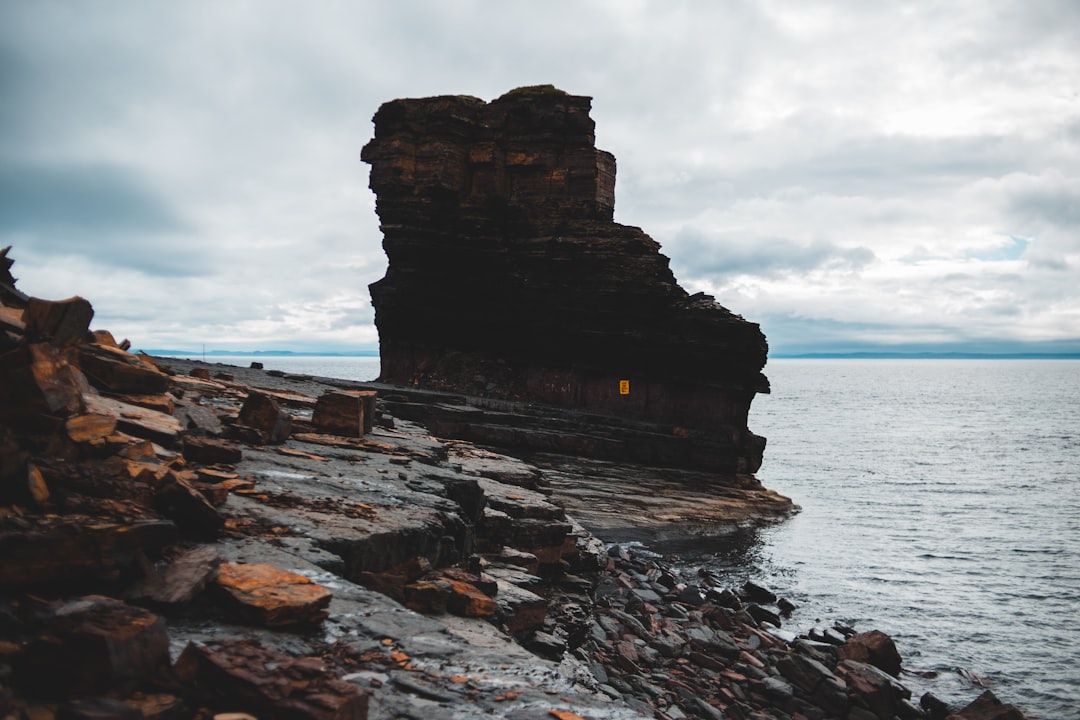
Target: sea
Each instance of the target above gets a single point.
(940, 504)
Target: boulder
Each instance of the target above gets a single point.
(874, 647)
(348, 413)
(267, 595)
(262, 412)
(988, 707)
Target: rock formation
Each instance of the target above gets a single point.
(508, 276)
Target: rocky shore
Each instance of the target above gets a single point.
(182, 540)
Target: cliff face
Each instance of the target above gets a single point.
(508, 277)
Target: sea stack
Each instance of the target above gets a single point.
(509, 278)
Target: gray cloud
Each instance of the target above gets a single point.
(204, 157)
(722, 258)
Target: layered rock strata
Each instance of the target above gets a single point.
(508, 277)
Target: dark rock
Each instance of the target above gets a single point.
(260, 411)
(240, 674)
(347, 413)
(757, 593)
(987, 707)
(180, 501)
(806, 673)
(505, 263)
(75, 549)
(546, 645)
(936, 708)
(210, 451)
(113, 370)
(763, 614)
(98, 709)
(879, 691)
(181, 579)
(92, 644)
(59, 322)
(874, 647)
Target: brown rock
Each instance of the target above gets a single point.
(90, 427)
(138, 421)
(241, 675)
(348, 413)
(177, 499)
(211, 451)
(267, 595)
(181, 580)
(116, 371)
(93, 644)
(260, 411)
(469, 601)
(39, 379)
(874, 647)
(987, 707)
(59, 322)
(77, 548)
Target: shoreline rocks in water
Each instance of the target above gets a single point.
(169, 555)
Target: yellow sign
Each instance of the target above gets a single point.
(624, 387)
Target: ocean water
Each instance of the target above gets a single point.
(940, 504)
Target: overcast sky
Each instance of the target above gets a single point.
(848, 174)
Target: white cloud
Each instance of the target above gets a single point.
(862, 169)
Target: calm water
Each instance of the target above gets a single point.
(941, 505)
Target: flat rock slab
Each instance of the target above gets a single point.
(270, 596)
(236, 673)
(181, 580)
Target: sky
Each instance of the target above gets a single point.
(851, 175)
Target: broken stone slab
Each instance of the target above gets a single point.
(520, 610)
(197, 418)
(92, 644)
(39, 379)
(442, 594)
(184, 577)
(240, 675)
(116, 371)
(267, 595)
(350, 413)
(135, 420)
(179, 500)
(261, 412)
(90, 427)
(211, 451)
(77, 548)
(59, 322)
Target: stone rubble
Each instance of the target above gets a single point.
(174, 548)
